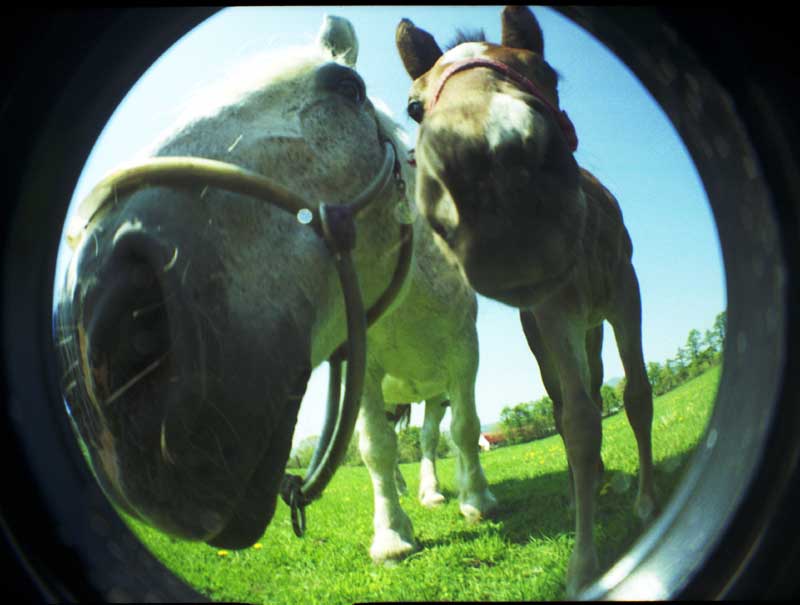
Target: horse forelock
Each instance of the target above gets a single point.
(463, 35)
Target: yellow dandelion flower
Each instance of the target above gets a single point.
(258, 545)
(222, 553)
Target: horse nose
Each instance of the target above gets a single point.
(126, 323)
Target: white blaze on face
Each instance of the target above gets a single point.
(467, 50)
(508, 119)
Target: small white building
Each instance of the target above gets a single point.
(483, 443)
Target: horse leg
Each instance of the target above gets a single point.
(626, 319)
(594, 356)
(394, 535)
(400, 481)
(550, 379)
(394, 418)
(475, 499)
(565, 339)
(429, 494)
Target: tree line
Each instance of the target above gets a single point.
(409, 448)
(531, 420)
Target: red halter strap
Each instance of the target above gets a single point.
(561, 116)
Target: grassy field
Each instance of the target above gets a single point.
(520, 555)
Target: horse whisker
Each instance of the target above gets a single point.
(164, 451)
(186, 269)
(72, 366)
(219, 411)
(147, 308)
(125, 387)
(172, 261)
(235, 143)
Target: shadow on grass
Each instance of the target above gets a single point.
(456, 536)
(537, 507)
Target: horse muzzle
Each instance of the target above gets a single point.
(187, 406)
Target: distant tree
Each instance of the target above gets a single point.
(303, 451)
(409, 447)
(656, 377)
(619, 388)
(693, 346)
(719, 330)
(671, 374)
(445, 447)
(542, 423)
(353, 456)
(528, 420)
(709, 351)
(684, 360)
(612, 402)
(513, 420)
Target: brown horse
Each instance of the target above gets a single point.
(497, 180)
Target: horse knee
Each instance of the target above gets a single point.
(429, 438)
(378, 450)
(465, 434)
(582, 433)
(638, 399)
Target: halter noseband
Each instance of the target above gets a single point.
(561, 116)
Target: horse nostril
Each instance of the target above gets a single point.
(125, 315)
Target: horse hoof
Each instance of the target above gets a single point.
(581, 570)
(389, 547)
(478, 506)
(432, 499)
(645, 508)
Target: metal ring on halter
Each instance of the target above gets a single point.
(291, 493)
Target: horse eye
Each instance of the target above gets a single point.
(350, 89)
(415, 110)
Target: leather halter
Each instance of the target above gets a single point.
(335, 224)
(524, 83)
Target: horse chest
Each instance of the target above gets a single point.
(604, 251)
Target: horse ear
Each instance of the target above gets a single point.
(338, 37)
(521, 29)
(418, 50)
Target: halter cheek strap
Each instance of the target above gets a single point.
(561, 116)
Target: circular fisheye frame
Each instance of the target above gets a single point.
(728, 531)
(702, 542)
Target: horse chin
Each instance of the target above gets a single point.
(525, 295)
(254, 511)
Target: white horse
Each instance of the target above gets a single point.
(193, 315)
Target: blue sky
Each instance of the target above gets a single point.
(625, 140)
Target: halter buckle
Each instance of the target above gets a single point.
(338, 227)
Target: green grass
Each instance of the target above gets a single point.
(519, 555)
